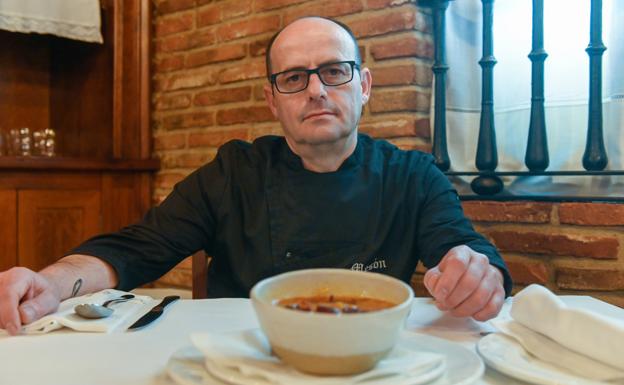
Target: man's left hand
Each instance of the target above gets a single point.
(465, 284)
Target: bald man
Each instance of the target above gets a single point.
(321, 195)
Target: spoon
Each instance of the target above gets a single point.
(94, 311)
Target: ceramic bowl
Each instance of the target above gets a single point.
(330, 344)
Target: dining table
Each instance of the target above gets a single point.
(67, 357)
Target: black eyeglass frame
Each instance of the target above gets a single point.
(309, 72)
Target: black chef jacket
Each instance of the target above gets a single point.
(258, 212)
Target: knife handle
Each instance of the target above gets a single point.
(166, 301)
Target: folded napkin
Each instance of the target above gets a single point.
(124, 315)
(248, 354)
(585, 343)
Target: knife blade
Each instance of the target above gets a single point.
(154, 313)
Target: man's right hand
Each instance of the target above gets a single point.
(25, 296)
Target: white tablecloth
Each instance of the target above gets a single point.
(139, 357)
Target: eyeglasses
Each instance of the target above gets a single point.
(330, 74)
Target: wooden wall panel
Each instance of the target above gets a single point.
(24, 81)
(121, 200)
(81, 104)
(50, 222)
(8, 229)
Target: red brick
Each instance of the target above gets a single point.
(167, 180)
(262, 130)
(522, 212)
(174, 44)
(258, 47)
(404, 46)
(215, 55)
(215, 138)
(191, 80)
(186, 41)
(170, 63)
(399, 100)
(405, 74)
(603, 247)
(396, 127)
(208, 16)
(169, 6)
(398, 19)
(248, 27)
(186, 120)
(527, 272)
(258, 92)
(592, 214)
(245, 71)
(234, 8)
(380, 4)
(173, 24)
(223, 95)
(589, 279)
(327, 8)
(171, 102)
(362, 50)
(187, 159)
(169, 141)
(410, 144)
(265, 5)
(205, 38)
(244, 115)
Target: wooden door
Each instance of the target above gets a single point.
(51, 222)
(8, 229)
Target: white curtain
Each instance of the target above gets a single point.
(566, 35)
(72, 19)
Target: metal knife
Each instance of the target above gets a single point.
(154, 313)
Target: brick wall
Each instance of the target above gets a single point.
(208, 74)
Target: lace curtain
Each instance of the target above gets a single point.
(73, 19)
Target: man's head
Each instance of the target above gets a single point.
(328, 109)
(267, 54)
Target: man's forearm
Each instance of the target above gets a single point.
(80, 273)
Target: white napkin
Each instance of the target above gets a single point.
(585, 343)
(248, 353)
(124, 315)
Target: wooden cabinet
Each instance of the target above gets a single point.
(8, 229)
(50, 222)
(96, 98)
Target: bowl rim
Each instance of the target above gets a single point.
(406, 302)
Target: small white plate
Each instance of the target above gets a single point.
(507, 356)
(187, 367)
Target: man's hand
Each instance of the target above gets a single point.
(465, 284)
(25, 296)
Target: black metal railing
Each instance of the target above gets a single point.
(537, 183)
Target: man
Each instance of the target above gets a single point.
(322, 196)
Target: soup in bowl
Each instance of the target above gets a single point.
(331, 321)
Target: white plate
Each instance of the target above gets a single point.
(504, 354)
(463, 367)
(231, 376)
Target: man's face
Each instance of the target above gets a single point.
(319, 114)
